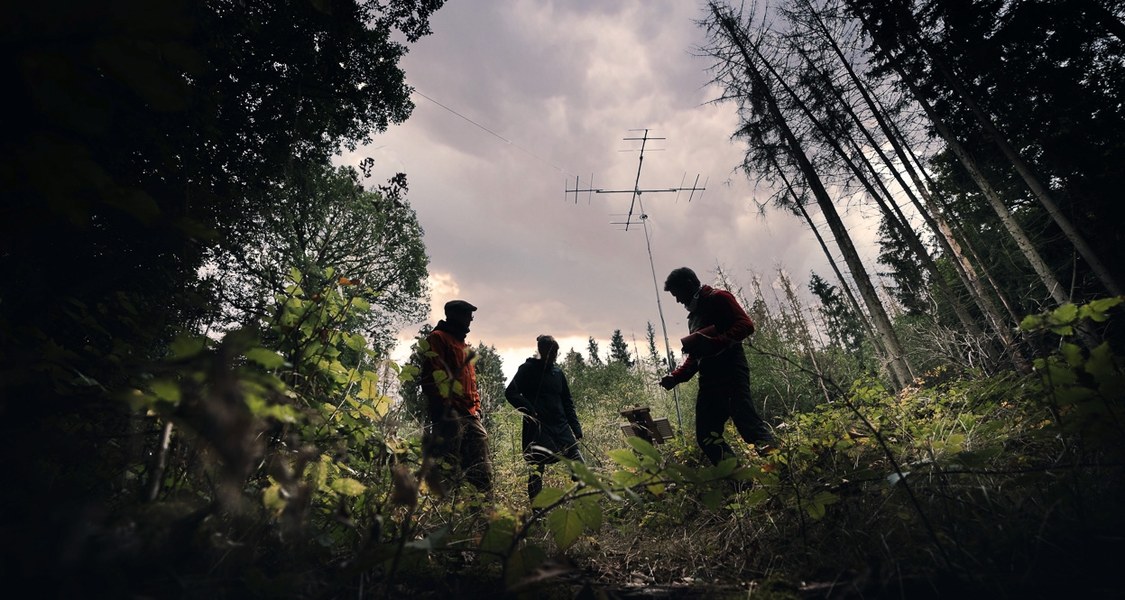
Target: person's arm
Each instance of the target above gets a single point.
(730, 326)
(680, 374)
(515, 397)
(734, 325)
(568, 408)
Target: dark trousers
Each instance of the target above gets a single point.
(713, 407)
(460, 440)
(535, 477)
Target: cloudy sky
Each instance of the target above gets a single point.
(514, 100)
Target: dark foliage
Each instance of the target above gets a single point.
(144, 134)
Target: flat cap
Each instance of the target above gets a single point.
(458, 305)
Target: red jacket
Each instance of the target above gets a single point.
(457, 386)
(719, 317)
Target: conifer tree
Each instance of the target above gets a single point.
(619, 350)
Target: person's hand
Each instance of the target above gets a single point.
(667, 382)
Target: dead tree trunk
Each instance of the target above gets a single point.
(898, 366)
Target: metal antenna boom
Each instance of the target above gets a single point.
(639, 205)
(637, 191)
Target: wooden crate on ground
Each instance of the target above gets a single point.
(642, 425)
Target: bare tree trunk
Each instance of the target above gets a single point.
(160, 463)
(886, 204)
(1054, 288)
(795, 304)
(844, 285)
(1030, 178)
(930, 212)
(899, 368)
(959, 237)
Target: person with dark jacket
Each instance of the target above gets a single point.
(551, 429)
(454, 433)
(717, 326)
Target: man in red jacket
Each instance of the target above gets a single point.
(718, 324)
(449, 381)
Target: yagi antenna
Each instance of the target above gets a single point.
(637, 204)
(637, 190)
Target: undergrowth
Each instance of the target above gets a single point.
(292, 475)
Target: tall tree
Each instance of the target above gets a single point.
(653, 358)
(594, 353)
(174, 124)
(149, 133)
(939, 48)
(490, 381)
(742, 71)
(811, 17)
(325, 218)
(619, 350)
(843, 325)
(829, 115)
(910, 285)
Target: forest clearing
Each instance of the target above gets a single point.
(200, 308)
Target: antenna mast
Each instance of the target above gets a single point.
(639, 205)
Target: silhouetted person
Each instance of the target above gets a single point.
(455, 433)
(717, 324)
(550, 426)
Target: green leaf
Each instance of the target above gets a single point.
(590, 512)
(815, 510)
(954, 442)
(1095, 310)
(348, 486)
(368, 387)
(547, 497)
(1102, 366)
(725, 467)
(497, 539)
(166, 390)
(713, 499)
(1072, 353)
(756, 497)
(185, 346)
(265, 357)
(628, 478)
(1064, 315)
(642, 446)
(523, 562)
(566, 526)
(585, 475)
(273, 499)
(1031, 323)
(825, 498)
(680, 473)
(280, 412)
(625, 458)
(355, 342)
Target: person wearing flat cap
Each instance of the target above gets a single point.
(455, 433)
